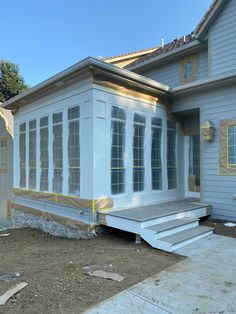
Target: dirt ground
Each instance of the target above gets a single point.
(220, 228)
(56, 269)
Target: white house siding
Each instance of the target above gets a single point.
(103, 100)
(169, 72)
(223, 40)
(6, 177)
(215, 105)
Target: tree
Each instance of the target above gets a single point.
(11, 82)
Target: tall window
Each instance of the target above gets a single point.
(22, 155)
(118, 119)
(44, 153)
(74, 149)
(171, 155)
(138, 152)
(156, 154)
(3, 154)
(32, 154)
(57, 153)
(232, 145)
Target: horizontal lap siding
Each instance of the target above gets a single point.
(223, 40)
(215, 105)
(169, 73)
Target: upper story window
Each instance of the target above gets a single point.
(118, 120)
(138, 152)
(232, 145)
(3, 154)
(188, 69)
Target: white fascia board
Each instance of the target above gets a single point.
(216, 80)
(87, 64)
(166, 55)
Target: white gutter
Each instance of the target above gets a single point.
(215, 80)
(166, 55)
(88, 63)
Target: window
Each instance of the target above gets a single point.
(44, 154)
(227, 160)
(232, 146)
(156, 154)
(171, 155)
(3, 154)
(32, 154)
(22, 155)
(138, 152)
(74, 149)
(118, 119)
(188, 69)
(57, 153)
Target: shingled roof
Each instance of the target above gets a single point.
(166, 48)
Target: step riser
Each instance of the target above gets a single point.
(171, 248)
(176, 229)
(194, 213)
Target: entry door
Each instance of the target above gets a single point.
(192, 168)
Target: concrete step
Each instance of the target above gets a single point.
(172, 226)
(182, 238)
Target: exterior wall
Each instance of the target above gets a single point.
(215, 105)
(104, 99)
(78, 94)
(223, 41)
(169, 73)
(6, 177)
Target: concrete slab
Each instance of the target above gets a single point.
(203, 283)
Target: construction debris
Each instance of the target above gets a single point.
(4, 234)
(230, 224)
(106, 275)
(11, 292)
(9, 277)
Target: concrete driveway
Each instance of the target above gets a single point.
(203, 283)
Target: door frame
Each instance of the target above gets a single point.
(186, 170)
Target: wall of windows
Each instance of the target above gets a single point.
(138, 152)
(49, 141)
(156, 149)
(171, 155)
(118, 119)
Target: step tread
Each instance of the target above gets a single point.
(185, 235)
(171, 224)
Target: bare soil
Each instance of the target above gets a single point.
(220, 228)
(57, 269)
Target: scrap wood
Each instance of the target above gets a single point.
(106, 275)
(12, 291)
(4, 234)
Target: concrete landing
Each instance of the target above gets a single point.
(203, 283)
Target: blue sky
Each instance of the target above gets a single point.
(44, 37)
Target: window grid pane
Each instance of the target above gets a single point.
(156, 154)
(138, 153)
(57, 153)
(118, 150)
(232, 145)
(3, 154)
(44, 153)
(171, 155)
(32, 154)
(74, 150)
(22, 155)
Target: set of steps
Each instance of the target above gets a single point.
(174, 234)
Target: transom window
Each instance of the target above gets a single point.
(44, 154)
(32, 154)
(3, 154)
(74, 150)
(232, 145)
(156, 154)
(171, 155)
(22, 155)
(138, 152)
(118, 119)
(57, 152)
